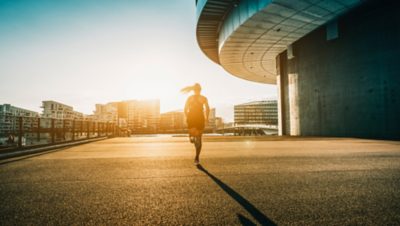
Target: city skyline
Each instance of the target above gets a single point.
(227, 110)
(83, 53)
(199, 112)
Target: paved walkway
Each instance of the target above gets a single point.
(136, 181)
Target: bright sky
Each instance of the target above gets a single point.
(83, 52)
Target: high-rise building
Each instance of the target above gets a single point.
(173, 121)
(257, 112)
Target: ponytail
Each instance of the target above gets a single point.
(187, 89)
(194, 87)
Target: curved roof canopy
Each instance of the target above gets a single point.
(245, 36)
(211, 14)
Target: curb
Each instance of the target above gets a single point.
(47, 148)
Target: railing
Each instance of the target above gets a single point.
(21, 132)
(250, 130)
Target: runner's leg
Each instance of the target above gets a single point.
(198, 145)
(191, 137)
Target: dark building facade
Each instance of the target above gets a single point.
(336, 62)
(349, 85)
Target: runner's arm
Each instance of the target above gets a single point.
(186, 107)
(207, 108)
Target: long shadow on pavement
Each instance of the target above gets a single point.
(250, 208)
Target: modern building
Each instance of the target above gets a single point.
(56, 110)
(143, 115)
(173, 122)
(62, 113)
(219, 123)
(8, 109)
(335, 62)
(257, 113)
(9, 122)
(107, 112)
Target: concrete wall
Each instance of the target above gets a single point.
(348, 86)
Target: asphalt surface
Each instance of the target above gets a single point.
(241, 181)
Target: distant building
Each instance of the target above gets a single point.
(56, 110)
(90, 118)
(9, 118)
(257, 112)
(136, 115)
(8, 109)
(78, 115)
(229, 124)
(173, 121)
(143, 115)
(219, 123)
(211, 126)
(59, 112)
(107, 112)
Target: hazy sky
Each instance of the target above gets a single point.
(83, 52)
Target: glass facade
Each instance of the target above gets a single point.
(258, 112)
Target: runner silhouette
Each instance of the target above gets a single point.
(195, 117)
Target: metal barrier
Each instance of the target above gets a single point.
(20, 132)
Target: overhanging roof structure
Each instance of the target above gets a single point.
(245, 36)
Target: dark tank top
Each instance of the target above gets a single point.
(196, 108)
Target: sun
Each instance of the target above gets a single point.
(167, 92)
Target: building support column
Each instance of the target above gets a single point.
(294, 104)
(281, 96)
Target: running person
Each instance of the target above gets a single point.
(195, 117)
